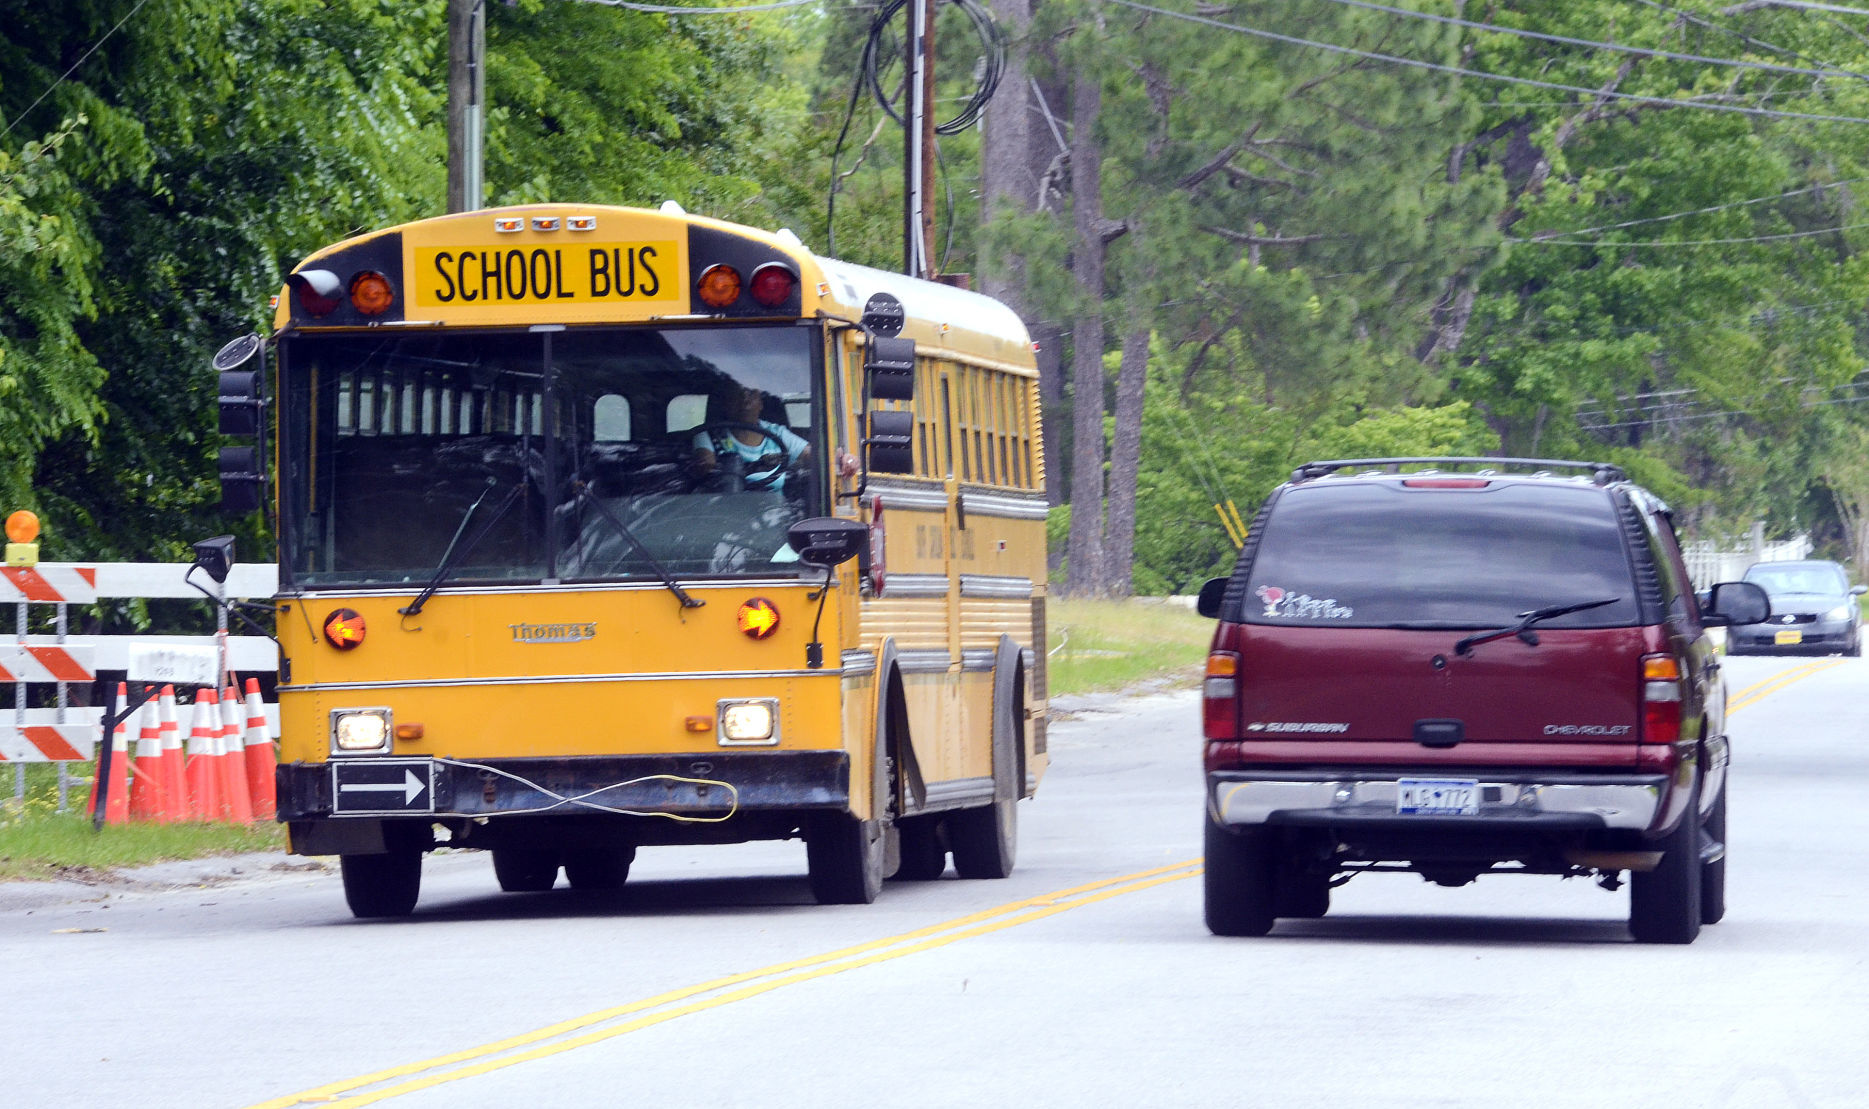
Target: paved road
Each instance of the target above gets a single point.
(1084, 979)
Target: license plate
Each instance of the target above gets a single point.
(1788, 638)
(1437, 797)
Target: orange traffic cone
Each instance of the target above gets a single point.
(236, 805)
(149, 801)
(174, 777)
(261, 759)
(117, 797)
(203, 765)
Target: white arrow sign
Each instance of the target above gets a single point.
(410, 788)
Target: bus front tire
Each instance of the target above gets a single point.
(382, 885)
(985, 840)
(845, 856)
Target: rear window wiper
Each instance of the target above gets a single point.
(1523, 629)
(455, 548)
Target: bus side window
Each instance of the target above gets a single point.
(610, 421)
(687, 411)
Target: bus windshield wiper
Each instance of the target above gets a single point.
(668, 579)
(1523, 629)
(455, 548)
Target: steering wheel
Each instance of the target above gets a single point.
(771, 468)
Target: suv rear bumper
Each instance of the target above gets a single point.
(1523, 800)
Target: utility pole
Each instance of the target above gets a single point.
(918, 132)
(467, 115)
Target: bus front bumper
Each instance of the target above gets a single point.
(693, 787)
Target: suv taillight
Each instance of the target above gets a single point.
(1661, 699)
(1220, 696)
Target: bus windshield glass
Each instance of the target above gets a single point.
(599, 453)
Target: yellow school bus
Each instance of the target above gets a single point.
(603, 528)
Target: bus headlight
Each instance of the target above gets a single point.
(360, 731)
(749, 723)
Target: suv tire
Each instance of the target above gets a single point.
(1665, 903)
(1298, 892)
(1713, 874)
(1238, 881)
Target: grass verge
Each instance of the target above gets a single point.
(1103, 646)
(38, 842)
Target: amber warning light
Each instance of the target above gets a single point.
(758, 618)
(22, 530)
(344, 629)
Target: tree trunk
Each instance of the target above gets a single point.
(1085, 572)
(1119, 536)
(1017, 148)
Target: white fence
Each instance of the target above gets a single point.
(1709, 562)
(64, 733)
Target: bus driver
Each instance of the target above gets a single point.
(750, 442)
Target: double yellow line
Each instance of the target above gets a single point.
(1758, 691)
(606, 1024)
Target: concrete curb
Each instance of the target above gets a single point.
(155, 878)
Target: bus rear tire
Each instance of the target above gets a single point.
(924, 858)
(385, 885)
(522, 870)
(985, 840)
(846, 857)
(599, 868)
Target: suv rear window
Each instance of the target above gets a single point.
(1378, 555)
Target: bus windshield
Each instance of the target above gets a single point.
(591, 453)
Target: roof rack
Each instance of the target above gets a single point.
(1602, 473)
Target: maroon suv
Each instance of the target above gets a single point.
(1495, 666)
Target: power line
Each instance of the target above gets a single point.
(1482, 74)
(1698, 211)
(1690, 242)
(1750, 40)
(669, 9)
(1805, 5)
(1640, 51)
(73, 69)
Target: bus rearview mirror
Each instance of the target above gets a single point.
(891, 442)
(890, 365)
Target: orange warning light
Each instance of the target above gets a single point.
(758, 618)
(343, 628)
(22, 527)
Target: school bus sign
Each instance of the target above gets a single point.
(494, 275)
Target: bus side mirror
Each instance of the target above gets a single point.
(215, 556)
(828, 540)
(243, 405)
(891, 442)
(889, 365)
